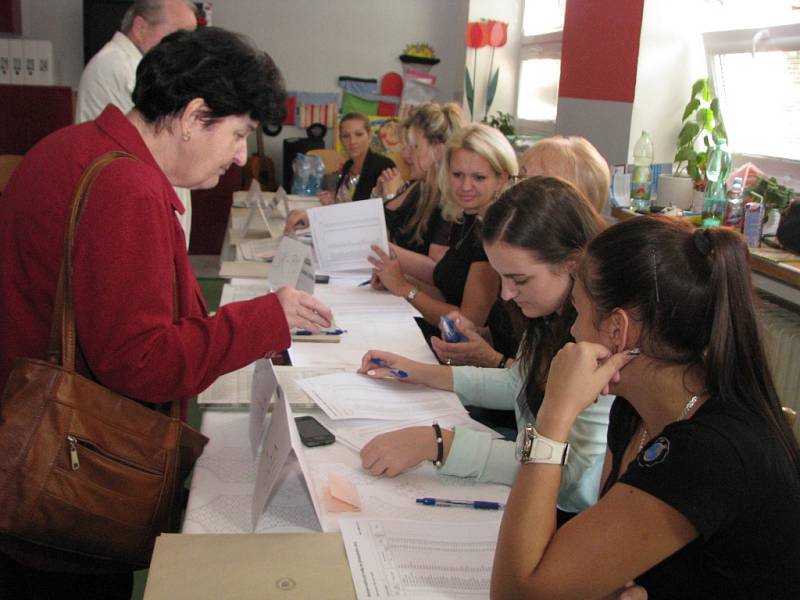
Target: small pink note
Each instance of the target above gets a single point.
(341, 495)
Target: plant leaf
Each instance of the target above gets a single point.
(688, 132)
(470, 91)
(698, 87)
(706, 90)
(491, 89)
(686, 153)
(693, 105)
(701, 116)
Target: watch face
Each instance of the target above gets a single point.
(523, 448)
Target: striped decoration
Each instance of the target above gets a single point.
(318, 113)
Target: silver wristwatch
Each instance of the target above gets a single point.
(412, 293)
(535, 448)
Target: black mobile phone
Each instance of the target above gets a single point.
(312, 433)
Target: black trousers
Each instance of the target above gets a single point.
(18, 582)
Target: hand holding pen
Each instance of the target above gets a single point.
(385, 365)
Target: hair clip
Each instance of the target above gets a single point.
(655, 272)
(702, 241)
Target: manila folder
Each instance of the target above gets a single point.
(245, 566)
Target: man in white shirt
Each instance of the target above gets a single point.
(110, 76)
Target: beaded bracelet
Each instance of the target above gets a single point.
(439, 445)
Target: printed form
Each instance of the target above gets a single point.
(423, 560)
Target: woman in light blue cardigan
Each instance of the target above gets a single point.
(533, 235)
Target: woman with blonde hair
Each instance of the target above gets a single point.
(413, 214)
(478, 163)
(574, 159)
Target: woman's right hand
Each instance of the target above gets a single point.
(326, 197)
(376, 363)
(475, 350)
(389, 181)
(297, 219)
(303, 311)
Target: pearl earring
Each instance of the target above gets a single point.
(186, 136)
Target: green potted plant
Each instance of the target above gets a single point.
(702, 127)
(503, 121)
(774, 194)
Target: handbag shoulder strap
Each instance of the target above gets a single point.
(61, 347)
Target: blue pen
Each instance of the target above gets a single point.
(399, 373)
(479, 504)
(363, 283)
(323, 332)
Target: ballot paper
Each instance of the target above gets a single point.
(355, 396)
(229, 390)
(343, 234)
(420, 560)
(288, 377)
(247, 289)
(258, 249)
(292, 266)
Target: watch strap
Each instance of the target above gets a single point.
(540, 449)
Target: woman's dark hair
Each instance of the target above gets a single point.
(225, 69)
(356, 116)
(554, 221)
(690, 289)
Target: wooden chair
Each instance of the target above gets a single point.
(400, 163)
(331, 158)
(8, 162)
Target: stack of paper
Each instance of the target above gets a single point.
(354, 396)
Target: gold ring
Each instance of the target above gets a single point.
(447, 362)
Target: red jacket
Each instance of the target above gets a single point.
(126, 244)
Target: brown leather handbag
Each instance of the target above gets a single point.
(88, 478)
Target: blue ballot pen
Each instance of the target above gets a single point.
(363, 283)
(399, 373)
(322, 332)
(479, 504)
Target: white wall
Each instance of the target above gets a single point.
(312, 41)
(671, 58)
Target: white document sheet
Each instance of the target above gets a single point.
(420, 560)
(343, 234)
(245, 289)
(244, 268)
(229, 390)
(354, 396)
(264, 386)
(259, 249)
(288, 377)
(292, 266)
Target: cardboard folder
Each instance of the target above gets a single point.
(243, 566)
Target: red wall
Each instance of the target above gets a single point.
(600, 49)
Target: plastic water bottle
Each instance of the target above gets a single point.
(317, 173)
(715, 200)
(753, 223)
(734, 209)
(302, 169)
(642, 177)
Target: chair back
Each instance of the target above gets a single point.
(331, 158)
(8, 162)
(401, 164)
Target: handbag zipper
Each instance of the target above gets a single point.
(74, 442)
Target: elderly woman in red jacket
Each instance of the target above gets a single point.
(198, 96)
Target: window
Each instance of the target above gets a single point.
(756, 74)
(540, 66)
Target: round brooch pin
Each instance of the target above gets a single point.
(655, 453)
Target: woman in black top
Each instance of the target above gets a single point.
(702, 480)
(361, 171)
(358, 175)
(478, 164)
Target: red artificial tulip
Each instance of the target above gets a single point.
(477, 34)
(498, 34)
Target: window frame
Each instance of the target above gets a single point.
(784, 37)
(545, 45)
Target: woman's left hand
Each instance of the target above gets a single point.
(389, 271)
(326, 198)
(578, 373)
